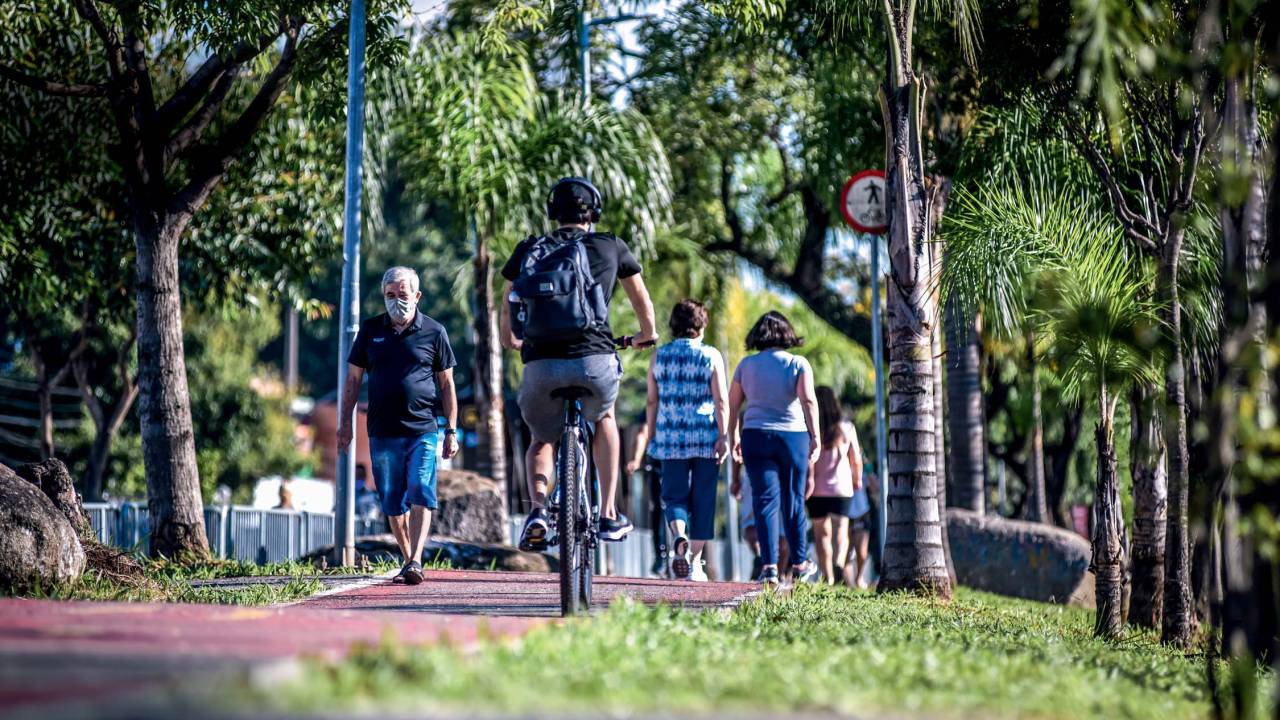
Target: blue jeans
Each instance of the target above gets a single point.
(404, 469)
(689, 493)
(777, 464)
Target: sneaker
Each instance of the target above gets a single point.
(806, 573)
(536, 527)
(769, 577)
(680, 558)
(699, 571)
(615, 529)
(412, 573)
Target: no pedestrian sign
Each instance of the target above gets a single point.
(862, 202)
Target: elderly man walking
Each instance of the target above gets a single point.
(410, 366)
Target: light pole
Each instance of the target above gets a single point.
(877, 357)
(349, 318)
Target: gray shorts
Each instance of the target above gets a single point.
(544, 414)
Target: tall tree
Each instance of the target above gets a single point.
(1150, 198)
(1088, 305)
(173, 152)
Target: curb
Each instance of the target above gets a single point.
(337, 589)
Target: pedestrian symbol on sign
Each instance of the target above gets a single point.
(862, 202)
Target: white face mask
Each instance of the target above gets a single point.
(399, 310)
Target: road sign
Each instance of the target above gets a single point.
(862, 202)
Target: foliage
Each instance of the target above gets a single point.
(827, 650)
(240, 412)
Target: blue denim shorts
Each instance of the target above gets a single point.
(404, 469)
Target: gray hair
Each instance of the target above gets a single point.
(398, 273)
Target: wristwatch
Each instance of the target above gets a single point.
(450, 431)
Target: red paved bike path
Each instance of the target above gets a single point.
(88, 655)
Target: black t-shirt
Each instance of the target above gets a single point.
(402, 373)
(611, 260)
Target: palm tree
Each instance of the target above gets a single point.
(477, 129)
(1086, 302)
(915, 554)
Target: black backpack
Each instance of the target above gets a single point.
(559, 298)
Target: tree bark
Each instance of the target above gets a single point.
(939, 190)
(168, 441)
(1150, 507)
(1037, 508)
(492, 450)
(914, 559)
(1178, 621)
(44, 396)
(1108, 528)
(968, 446)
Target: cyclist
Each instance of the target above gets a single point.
(587, 359)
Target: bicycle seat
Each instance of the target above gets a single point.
(572, 392)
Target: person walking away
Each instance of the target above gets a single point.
(837, 476)
(860, 519)
(410, 366)
(558, 288)
(747, 524)
(642, 461)
(687, 412)
(777, 439)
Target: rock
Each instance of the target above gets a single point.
(37, 543)
(1019, 559)
(470, 508)
(53, 479)
(457, 553)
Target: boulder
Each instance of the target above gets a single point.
(1018, 559)
(38, 545)
(470, 508)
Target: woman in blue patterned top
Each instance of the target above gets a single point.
(687, 413)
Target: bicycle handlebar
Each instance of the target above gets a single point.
(629, 341)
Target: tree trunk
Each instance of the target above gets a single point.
(168, 442)
(1058, 455)
(1178, 622)
(968, 446)
(1037, 508)
(487, 380)
(44, 396)
(1150, 501)
(1250, 602)
(914, 556)
(1108, 527)
(938, 200)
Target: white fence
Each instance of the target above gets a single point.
(263, 536)
(234, 531)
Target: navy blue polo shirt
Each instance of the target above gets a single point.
(402, 373)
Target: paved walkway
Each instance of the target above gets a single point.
(88, 659)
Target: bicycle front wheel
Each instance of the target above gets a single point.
(567, 524)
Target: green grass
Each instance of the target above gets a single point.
(820, 649)
(169, 581)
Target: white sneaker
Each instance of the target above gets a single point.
(699, 574)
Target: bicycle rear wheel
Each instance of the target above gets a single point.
(567, 524)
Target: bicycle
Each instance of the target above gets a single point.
(577, 521)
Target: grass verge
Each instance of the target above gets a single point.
(170, 581)
(820, 649)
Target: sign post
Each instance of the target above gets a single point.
(349, 322)
(863, 207)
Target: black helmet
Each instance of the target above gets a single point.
(574, 199)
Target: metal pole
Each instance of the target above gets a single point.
(345, 482)
(584, 52)
(877, 356)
